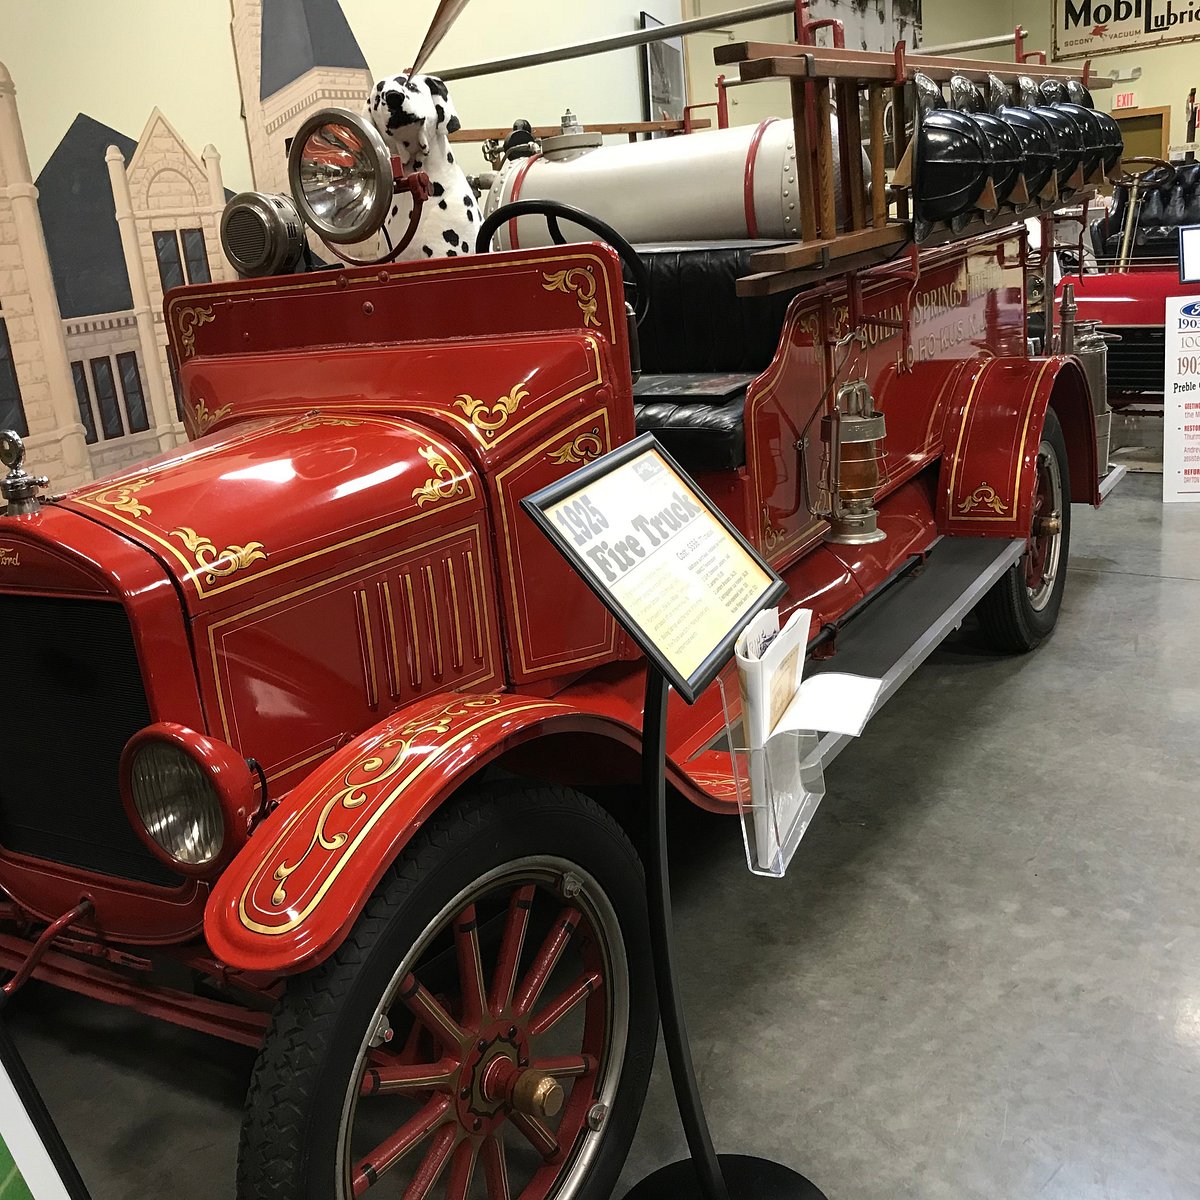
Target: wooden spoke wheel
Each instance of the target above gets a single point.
(487, 1029)
(1043, 561)
(1022, 608)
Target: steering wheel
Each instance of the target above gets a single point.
(1158, 174)
(552, 210)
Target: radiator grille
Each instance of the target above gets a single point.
(81, 699)
(1136, 363)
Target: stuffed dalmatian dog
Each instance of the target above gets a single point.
(415, 116)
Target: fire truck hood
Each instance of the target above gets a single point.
(263, 505)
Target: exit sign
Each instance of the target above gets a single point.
(1125, 100)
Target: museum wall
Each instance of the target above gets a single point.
(124, 129)
(1167, 75)
(117, 60)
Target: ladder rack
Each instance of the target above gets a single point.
(828, 86)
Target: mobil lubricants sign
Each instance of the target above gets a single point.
(1181, 401)
(1086, 28)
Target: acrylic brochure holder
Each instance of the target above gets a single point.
(779, 787)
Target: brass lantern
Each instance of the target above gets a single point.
(853, 434)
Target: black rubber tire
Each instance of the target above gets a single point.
(1008, 622)
(293, 1106)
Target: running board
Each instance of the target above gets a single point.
(899, 631)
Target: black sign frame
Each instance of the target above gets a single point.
(1194, 230)
(538, 502)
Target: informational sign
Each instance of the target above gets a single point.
(34, 1163)
(1124, 100)
(1189, 254)
(1181, 401)
(1088, 28)
(666, 562)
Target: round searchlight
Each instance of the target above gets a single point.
(340, 172)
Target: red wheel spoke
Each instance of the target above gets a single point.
(423, 1005)
(547, 959)
(470, 967)
(384, 1078)
(495, 1169)
(572, 1066)
(432, 1164)
(390, 1151)
(539, 1137)
(511, 945)
(558, 1008)
(412, 1044)
(461, 1171)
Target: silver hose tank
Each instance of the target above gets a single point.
(708, 186)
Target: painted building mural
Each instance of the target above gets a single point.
(89, 248)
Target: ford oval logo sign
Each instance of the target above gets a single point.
(1191, 310)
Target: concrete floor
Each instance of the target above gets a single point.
(980, 979)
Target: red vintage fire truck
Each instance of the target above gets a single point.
(309, 713)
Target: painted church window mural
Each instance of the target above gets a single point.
(12, 415)
(170, 262)
(106, 398)
(195, 255)
(131, 389)
(83, 398)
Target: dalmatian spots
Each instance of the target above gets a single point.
(416, 117)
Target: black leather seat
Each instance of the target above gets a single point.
(1163, 212)
(700, 419)
(701, 348)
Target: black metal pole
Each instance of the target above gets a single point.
(705, 1175)
(670, 1002)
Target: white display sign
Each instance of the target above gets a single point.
(1181, 402)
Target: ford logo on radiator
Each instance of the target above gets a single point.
(1191, 310)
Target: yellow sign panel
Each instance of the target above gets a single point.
(677, 575)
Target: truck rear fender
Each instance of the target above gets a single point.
(993, 430)
(290, 897)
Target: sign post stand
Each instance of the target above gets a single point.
(1181, 399)
(706, 1175)
(683, 583)
(34, 1162)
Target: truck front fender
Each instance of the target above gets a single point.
(289, 898)
(992, 434)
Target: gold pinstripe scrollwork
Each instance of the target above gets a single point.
(443, 485)
(204, 418)
(491, 417)
(577, 281)
(216, 564)
(384, 762)
(123, 498)
(581, 449)
(984, 496)
(771, 536)
(320, 421)
(187, 322)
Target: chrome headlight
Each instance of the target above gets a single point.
(190, 799)
(340, 172)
